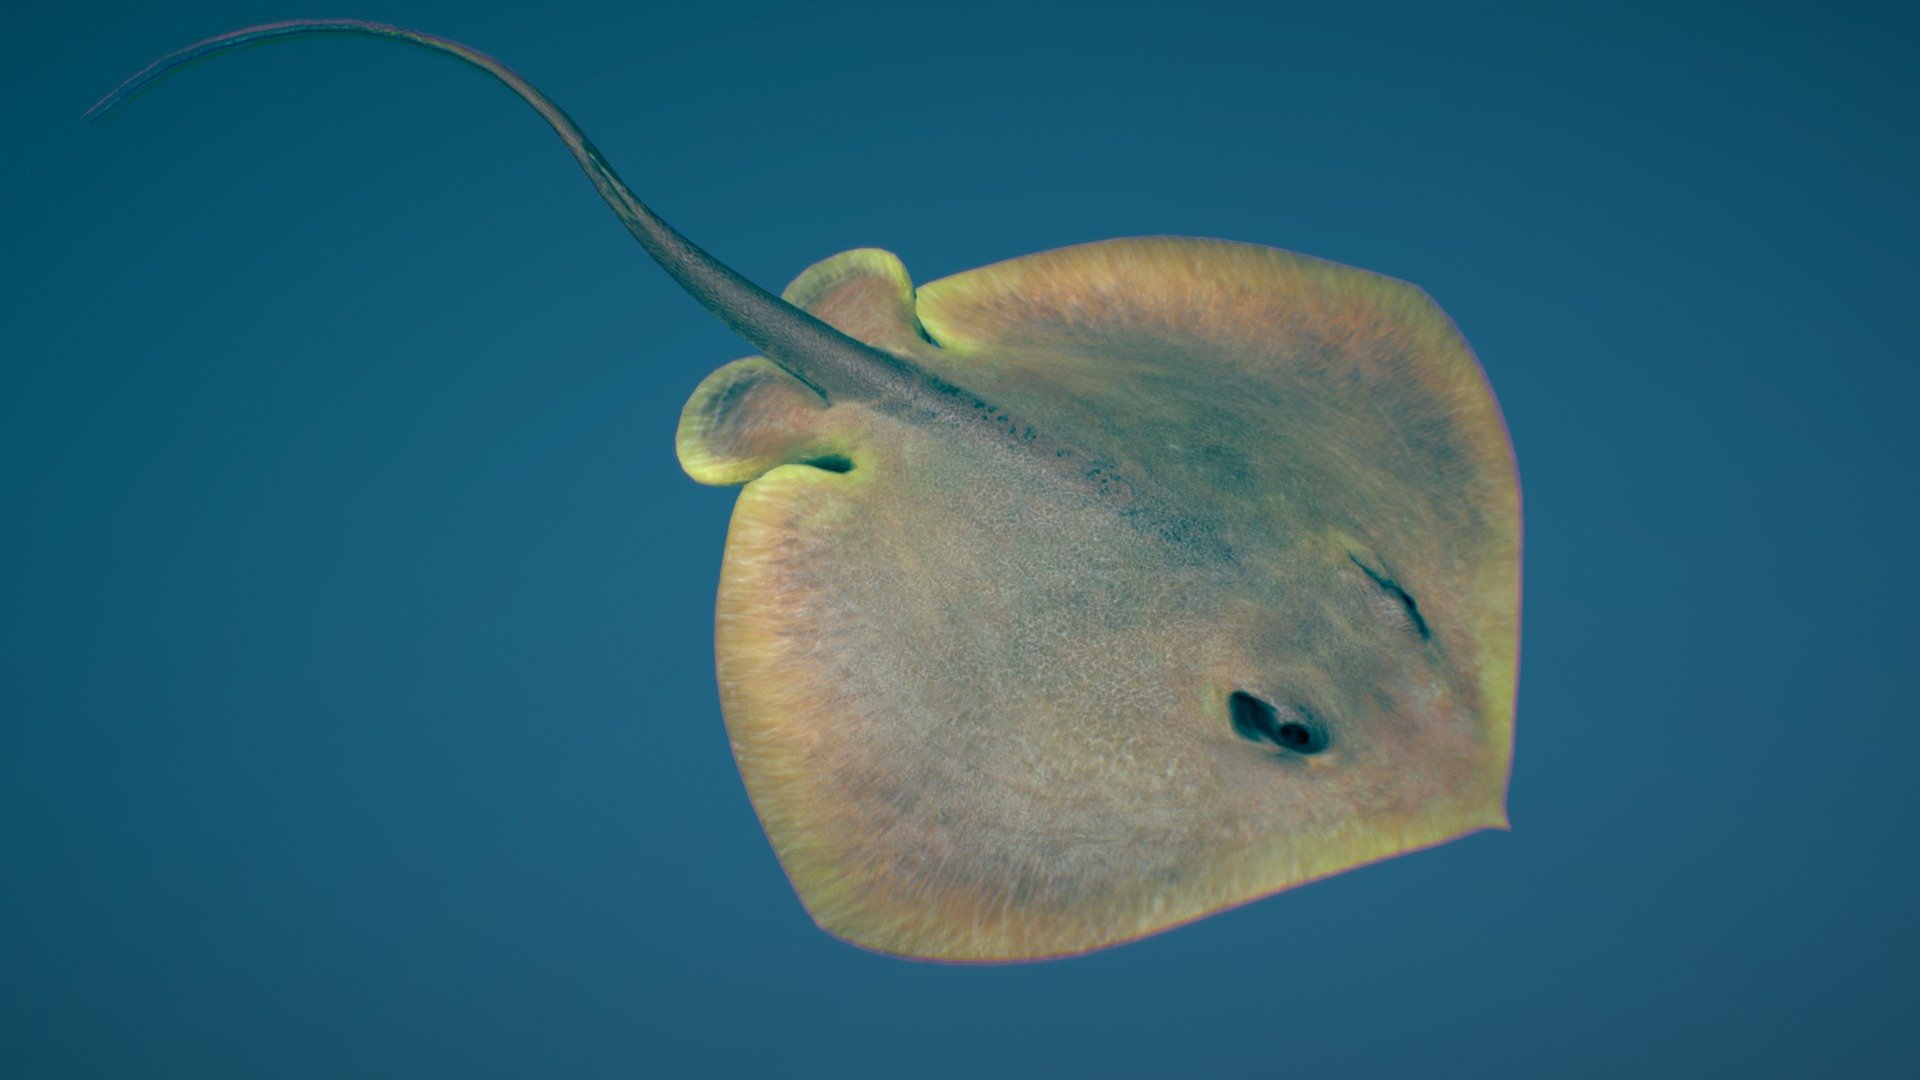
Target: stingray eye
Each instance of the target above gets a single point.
(1259, 721)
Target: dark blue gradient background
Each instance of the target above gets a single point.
(359, 714)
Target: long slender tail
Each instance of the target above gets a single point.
(832, 363)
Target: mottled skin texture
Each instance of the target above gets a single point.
(1092, 592)
(982, 711)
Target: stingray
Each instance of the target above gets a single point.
(1083, 595)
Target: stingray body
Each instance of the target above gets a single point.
(1083, 595)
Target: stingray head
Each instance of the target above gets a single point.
(1080, 596)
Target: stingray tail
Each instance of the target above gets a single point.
(829, 361)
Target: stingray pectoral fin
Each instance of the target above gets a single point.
(954, 689)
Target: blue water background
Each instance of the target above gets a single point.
(357, 715)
